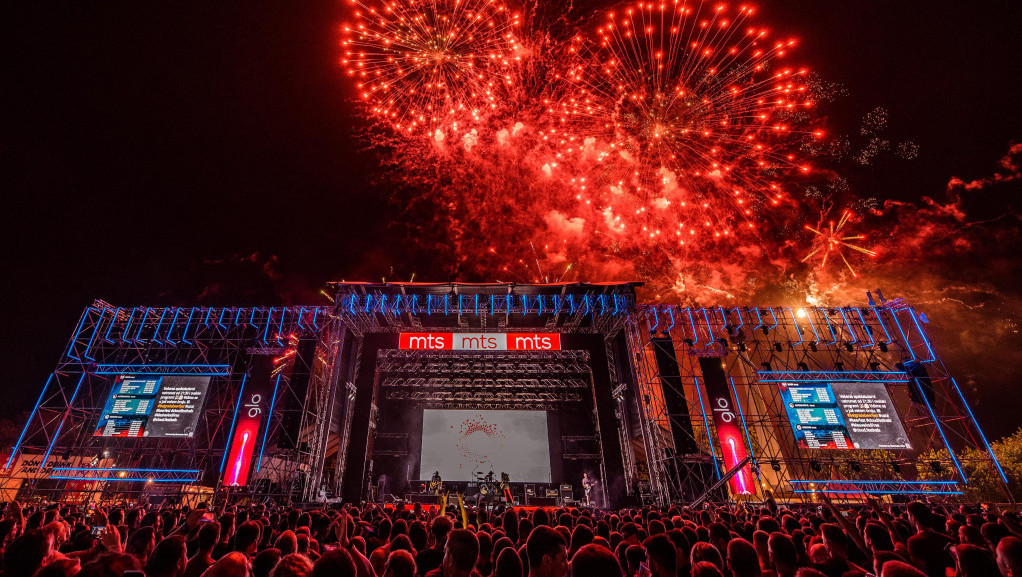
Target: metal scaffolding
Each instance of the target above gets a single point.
(759, 348)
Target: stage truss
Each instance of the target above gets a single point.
(304, 451)
(109, 341)
(761, 347)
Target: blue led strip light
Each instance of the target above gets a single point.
(159, 325)
(794, 321)
(173, 321)
(106, 335)
(127, 326)
(873, 492)
(868, 482)
(692, 322)
(60, 427)
(940, 430)
(809, 317)
(830, 327)
(234, 421)
(266, 427)
(155, 369)
(141, 325)
(741, 415)
(741, 321)
(759, 317)
(188, 325)
(706, 424)
(880, 320)
(656, 317)
(773, 316)
(95, 331)
(904, 338)
(848, 325)
(670, 313)
(982, 436)
(21, 437)
(865, 328)
(922, 335)
(78, 330)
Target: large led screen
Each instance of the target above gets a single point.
(463, 444)
(153, 406)
(843, 416)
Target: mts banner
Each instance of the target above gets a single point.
(480, 341)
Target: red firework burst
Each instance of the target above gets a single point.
(423, 63)
(697, 91)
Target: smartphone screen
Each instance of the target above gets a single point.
(98, 530)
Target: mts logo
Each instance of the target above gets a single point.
(481, 341)
(534, 342)
(426, 341)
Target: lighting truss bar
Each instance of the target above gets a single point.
(869, 487)
(157, 369)
(831, 376)
(134, 475)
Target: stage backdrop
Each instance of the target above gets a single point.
(460, 443)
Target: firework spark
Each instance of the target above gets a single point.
(833, 239)
(426, 63)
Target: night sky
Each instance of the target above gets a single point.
(172, 153)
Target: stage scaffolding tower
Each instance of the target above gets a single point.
(759, 348)
(58, 441)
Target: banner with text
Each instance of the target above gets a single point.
(726, 421)
(480, 341)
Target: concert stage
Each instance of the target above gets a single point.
(557, 386)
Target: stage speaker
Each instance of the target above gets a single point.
(920, 383)
(566, 492)
(541, 502)
(292, 404)
(674, 396)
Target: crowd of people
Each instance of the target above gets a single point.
(912, 540)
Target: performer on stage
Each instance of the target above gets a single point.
(589, 485)
(436, 484)
(505, 486)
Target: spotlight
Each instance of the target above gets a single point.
(883, 346)
(777, 347)
(741, 347)
(812, 347)
(803, 367)
(688, 342)
(765, 330)
(875, 367)
(815, 465)
(723, 342)
(839, 366)
(775, 465)
(766, 367)
(849, 347)
(936, 468)
(856, 466)
(896, 467)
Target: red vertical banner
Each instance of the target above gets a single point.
(729, 428)
(253, 402)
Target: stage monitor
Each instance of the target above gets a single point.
(461, 444)
(153, 406)
(857, 415)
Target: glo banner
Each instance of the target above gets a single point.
(729, 428)
(254, 401)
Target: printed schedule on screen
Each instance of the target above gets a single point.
(153, 406)
(854, 415)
